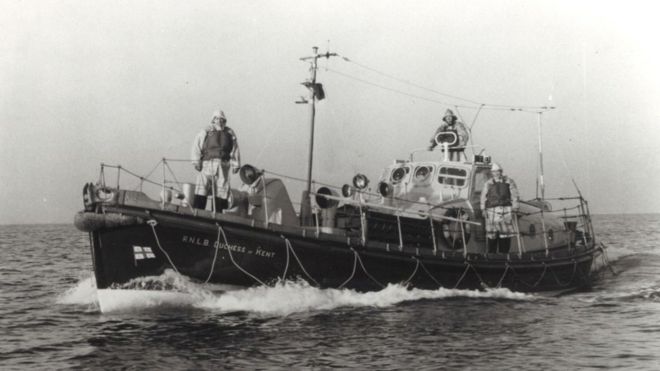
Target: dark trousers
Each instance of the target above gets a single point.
(200, 203)
(455, 154)
(499, 245)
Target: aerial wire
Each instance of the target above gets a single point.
(477, 105)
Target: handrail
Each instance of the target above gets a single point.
(425, 149)
(395, 209)
(369, 202)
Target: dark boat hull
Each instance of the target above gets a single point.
(220, 251)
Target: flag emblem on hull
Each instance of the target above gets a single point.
(141, 253)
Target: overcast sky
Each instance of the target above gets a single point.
(130, 82)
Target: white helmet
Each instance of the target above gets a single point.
(495, 166)
(220, 115)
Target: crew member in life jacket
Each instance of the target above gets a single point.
(214, 151)
(451, 124)
(499, 200)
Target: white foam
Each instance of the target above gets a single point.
(280, 300)
(294, 297)
(112, 300)
(83, 293)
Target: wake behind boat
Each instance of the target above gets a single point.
(425, 227)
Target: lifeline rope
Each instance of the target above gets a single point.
(481, 281)
(570, 280)
(413, 273)
(365, 270)
(429, 274)
(467, 268)
(231, 257)
(290, 248)
(152, 223)
(215, 256)
(536, 283)
(352, 273)
(286, 266)
(506, 270)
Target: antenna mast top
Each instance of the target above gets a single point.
(316, 93)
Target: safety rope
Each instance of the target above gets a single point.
(517, 277)
(215, 256)
(352, 273)
(429, 273)
(152, 223)
(231, 257)
(506, 270)
(171, 172)
(286, 266)
(413, 273)
(545, 269)
(481, 281)
(365, 269)
(559, 283)
(290, 248)
(467, 268)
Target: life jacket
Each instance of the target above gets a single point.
(218, 144)
(499, 194)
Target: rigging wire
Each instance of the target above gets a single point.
(474, 107)
(489, 106)
(390, 89)
(407, 82)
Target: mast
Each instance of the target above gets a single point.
(315, 93)
(541, 184)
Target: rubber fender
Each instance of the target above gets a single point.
(89, 222)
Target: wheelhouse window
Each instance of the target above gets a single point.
(452, 176)
(422, 173)
(399, 173)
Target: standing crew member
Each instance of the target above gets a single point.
(452, 125)
(214, 151)
(499, 199)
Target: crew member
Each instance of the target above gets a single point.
(499, 200)
(214, 151)
(452, 125)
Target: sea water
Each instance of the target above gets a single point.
(49, 317)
